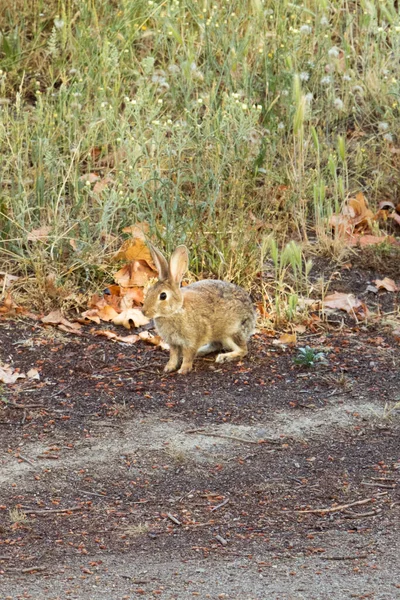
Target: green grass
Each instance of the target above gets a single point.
(220, 123)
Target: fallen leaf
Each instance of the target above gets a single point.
(387, 284)
(91, 177)
(69, 329)
(131, 296)
(138, 230)
(299, 328)
(56, 318)
(127, 339)
(8, 375)
(92, 315)
(396, 334)
(134, 249)
(370, 240)
(135, 273)
(7, 304)
(102, 184)
(33, 374)
(346, 302)
(286, 339)
(6, 280)
(131, 316)
(155, 340)
(39, 235)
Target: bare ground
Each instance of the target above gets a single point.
(119, 482)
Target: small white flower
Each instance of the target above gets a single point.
(346, 78)
(259, 107)
(103, 104)
(133, 102)
(158, 78)
(174, 69)
(383, 126)
(324, 21)
(73, 71)
(235, 95)
(200, 100)
(388, 137)
(284, 93)
(326, 80)
(306, 29)
(304, 76)
(58, 23)
(163, 87)
(308, 98)
(156, 122)
(338, 104)
(281, 125)
(159, 101)
(333, 52)
(244, 106)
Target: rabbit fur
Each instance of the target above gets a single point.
(202, 317)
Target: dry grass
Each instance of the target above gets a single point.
(219, 125)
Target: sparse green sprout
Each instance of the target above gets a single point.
(308, 357)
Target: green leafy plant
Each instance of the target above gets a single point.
(308, 357)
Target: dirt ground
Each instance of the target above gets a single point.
(258, 480)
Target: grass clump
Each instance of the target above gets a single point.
(215, 123)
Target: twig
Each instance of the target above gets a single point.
(20, 406)
(92, 493)
(372, 513)
(340, 506)
(27, 460)
(377, 484)
(50, 511)
(221, 540)
(173, 519)
(344, 557)
(220, 505)
(27, 570)
(227, 437)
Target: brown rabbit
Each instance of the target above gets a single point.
(202, 317)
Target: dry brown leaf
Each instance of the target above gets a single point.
(138, 230)
(39, 235)
(56, 318)
(299, 328)
(91, 177)
(396, 334)
(6, 280)
(70, 329)
(131, 297)
(155, 340)
(92, 315)
(286, 339)
(370, 240)
(7, 305)
(134, 249)
(387, 284)
(102, 184)
(135, 273)
(131, 316)
(33, 374)
(8, 375)
(346, 302)
(127, 339)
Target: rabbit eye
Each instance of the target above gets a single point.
(163, 296)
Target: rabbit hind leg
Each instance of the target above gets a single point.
(237, 346)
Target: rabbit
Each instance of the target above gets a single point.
(200, 318)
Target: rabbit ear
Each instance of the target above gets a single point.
(161, 263)
(178, 264)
